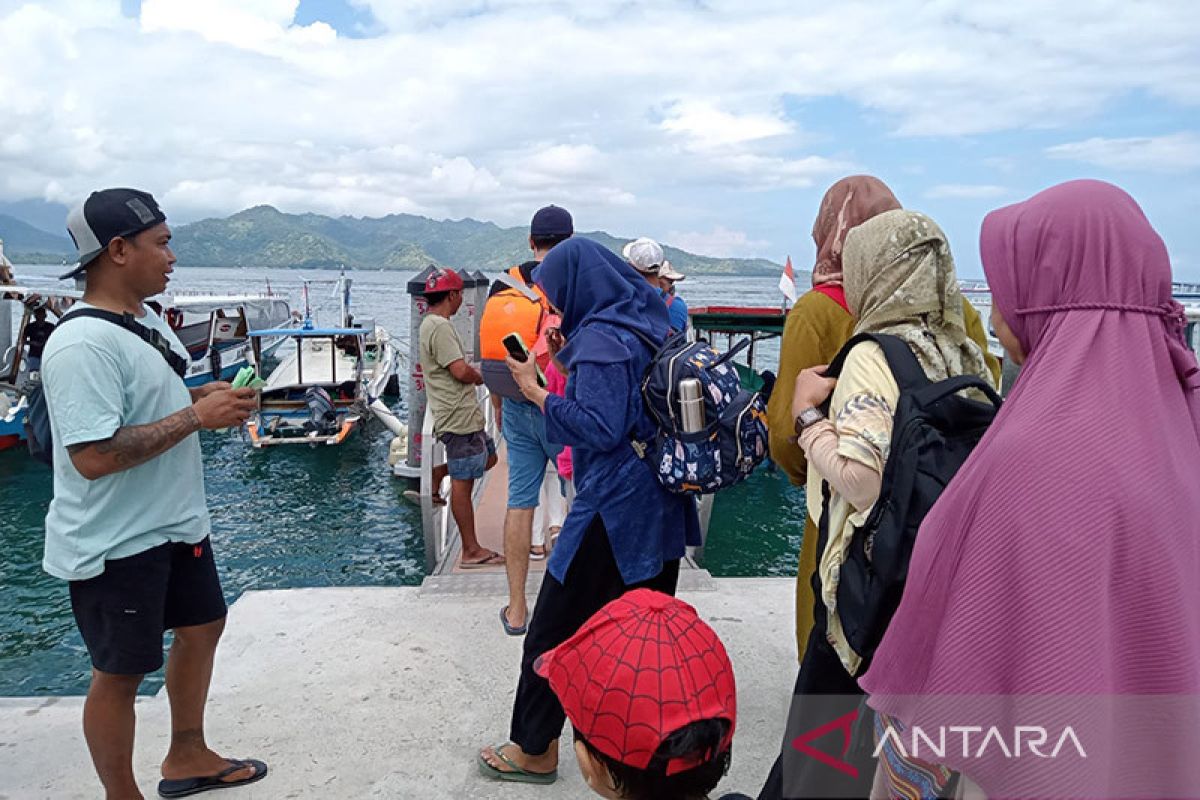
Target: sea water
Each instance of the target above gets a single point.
(332, 516)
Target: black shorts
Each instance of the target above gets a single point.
(123, 612)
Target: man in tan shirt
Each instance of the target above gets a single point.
(458, 421)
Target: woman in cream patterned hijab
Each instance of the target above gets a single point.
(900, 279)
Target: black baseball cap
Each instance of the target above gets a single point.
(104, 216)
(552, 221)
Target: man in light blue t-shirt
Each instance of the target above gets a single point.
(128, 526)
(677, 309)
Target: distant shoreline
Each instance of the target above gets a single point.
(22, 261)
(43, 259)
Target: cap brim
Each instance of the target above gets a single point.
(82, 264)
(674, 276)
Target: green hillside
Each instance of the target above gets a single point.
(265, 237)
(27, 244)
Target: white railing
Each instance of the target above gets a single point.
(437, 522)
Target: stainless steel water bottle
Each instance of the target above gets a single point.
(691, 404)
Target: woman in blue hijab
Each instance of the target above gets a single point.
(624, 530)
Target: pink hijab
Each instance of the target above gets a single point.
(1058, 577)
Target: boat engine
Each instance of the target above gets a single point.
(322, 416)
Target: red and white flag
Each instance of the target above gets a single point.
(787, 282)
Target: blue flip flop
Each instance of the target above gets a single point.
(185, 787)
(509, 628)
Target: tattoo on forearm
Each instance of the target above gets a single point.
(137, 444)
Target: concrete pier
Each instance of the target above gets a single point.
(389, 693)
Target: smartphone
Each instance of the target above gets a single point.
(517, 349)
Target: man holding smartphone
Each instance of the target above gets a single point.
(128, 526)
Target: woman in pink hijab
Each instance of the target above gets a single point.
(1056, 583)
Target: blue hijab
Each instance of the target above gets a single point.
(595, 290)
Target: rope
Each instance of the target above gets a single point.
(1172, 313)
(1158, 311)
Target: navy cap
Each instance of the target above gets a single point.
(106, 215)
(552, 221)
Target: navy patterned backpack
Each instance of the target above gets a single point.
(733, 439)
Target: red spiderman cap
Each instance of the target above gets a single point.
(642, 668)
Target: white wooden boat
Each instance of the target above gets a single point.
(328, 386)
(215, 328)
(17, 380)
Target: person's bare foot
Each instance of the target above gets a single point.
(513, 620)
(482, 557)
(202, 763)
(546, 763)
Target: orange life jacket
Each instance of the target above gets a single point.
(511, 311)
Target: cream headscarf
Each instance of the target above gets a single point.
(899, 279)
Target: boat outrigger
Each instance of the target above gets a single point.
(328, 386)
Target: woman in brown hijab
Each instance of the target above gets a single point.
(816, 329)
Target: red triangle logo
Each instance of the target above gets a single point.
(845, 724)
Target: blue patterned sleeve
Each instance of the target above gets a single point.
(598, 413)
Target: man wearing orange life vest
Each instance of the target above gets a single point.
(517, 305)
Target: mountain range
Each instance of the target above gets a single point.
(266, 237)
(22, 240)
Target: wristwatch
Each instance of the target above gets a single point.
(807, 418)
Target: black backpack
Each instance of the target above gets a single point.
(38, 433)
(934, 431)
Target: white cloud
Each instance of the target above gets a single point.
(1172, 153)
(488, 108)
(249, 24)
(966, 191)
(720, 242)
(706, 127)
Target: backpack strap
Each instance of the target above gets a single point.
(904, 365)
(177, 363)
(520, 286)
(655, 347)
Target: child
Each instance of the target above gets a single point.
(649, 690)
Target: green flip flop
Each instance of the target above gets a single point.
(517, 775)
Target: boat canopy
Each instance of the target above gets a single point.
(40, 291)
(738, 319)
(310, 332)
(261, 311)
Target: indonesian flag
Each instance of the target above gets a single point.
(787, 282)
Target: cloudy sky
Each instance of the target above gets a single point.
(714, 125)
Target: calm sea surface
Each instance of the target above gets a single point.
(298, 517)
